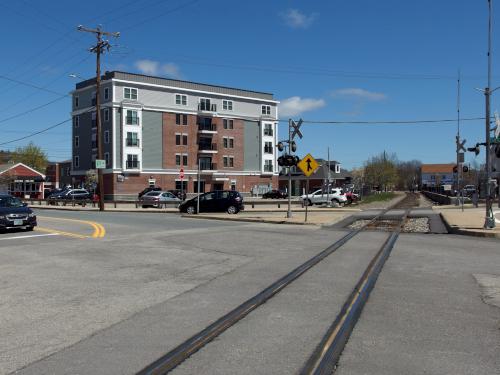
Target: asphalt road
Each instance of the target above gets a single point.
(107, 293)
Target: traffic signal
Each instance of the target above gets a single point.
(465, 169)
(293, 146)
(288, 160)
(280, 146)
(455, 169)
(474, 149)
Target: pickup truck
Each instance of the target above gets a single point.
(336, 195)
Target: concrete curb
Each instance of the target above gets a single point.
(247, 219)
(453, 229)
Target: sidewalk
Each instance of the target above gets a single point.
(470, 221)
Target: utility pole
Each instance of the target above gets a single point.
(489, 219)
(100, 47)
(459, 146)
(289, 210)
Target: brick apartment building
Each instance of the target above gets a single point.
(58, 175)
(152, 127)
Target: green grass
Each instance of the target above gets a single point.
(378, 197)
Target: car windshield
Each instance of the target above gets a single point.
(153, 194)
(10, 202)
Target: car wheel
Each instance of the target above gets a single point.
(335, 203)
(309, 202)
(144, 206)
(232, 210)
(29, 229)
(190, 210)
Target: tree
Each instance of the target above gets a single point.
(32, 156)
(408, 174)
(381, 172)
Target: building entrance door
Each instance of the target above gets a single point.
(218, 186)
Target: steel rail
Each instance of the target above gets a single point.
(173, 358)
(325, 357)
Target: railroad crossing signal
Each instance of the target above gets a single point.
(308, 165)
(460, 145)
(296, 127)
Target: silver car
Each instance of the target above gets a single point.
(158, 199)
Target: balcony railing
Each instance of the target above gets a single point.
(208, 166)
(133, 164)
(207, 127)
(133, 142)
(207, 107)
(130, 120)
(207, 146)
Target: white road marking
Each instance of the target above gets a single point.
(30, 236)
(497, 212)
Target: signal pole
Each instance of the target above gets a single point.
(100, 47)
(289, 210)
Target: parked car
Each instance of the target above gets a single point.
(148, 189)
(71, 194)
(469, 190)
(15, 214)
(157, 198)
(229, 201)
(336, 195)
(275, 194)
(351, 196)
(178, 193)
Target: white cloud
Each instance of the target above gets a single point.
(295, 105)
(154, 68)
(147, 66)
(357, 93)
(297, 20)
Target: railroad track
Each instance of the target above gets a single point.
(325, 357)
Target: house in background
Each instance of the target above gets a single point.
(318, 180)
(58, 175)
(21, 181)
(434, 176)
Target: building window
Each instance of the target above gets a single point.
(268, 147)
(94, 121)
(227, 124)
(76, 121)
(227, 105)
(205, 105)
(132, 117)
(77, 101)
(106, 136)
(228, 161)
(130, 93)
(228, 142)
(181, 99)
(132, 162)
(68, 171)
(132, 139)
(106, 93)
(94, 98)
(266, 109)
(77, 161)
(268, 165)
(268, 129)
(106, 158)
(337, 168)
(181, 119)
(77, 141)
(181, 139)
(106, 114)
(181, 158)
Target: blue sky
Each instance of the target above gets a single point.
(333, 60)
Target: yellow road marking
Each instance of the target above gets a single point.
(62, 233)
(99, 231)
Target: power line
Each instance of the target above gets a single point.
(36, 133)
(31, 85)
(33, 109)
(335, 122)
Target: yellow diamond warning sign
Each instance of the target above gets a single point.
(308, 165)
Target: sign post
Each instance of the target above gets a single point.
(308, 166)
(181, 176)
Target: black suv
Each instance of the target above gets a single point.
(275, 194)
(15, 214)
(216, 201)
